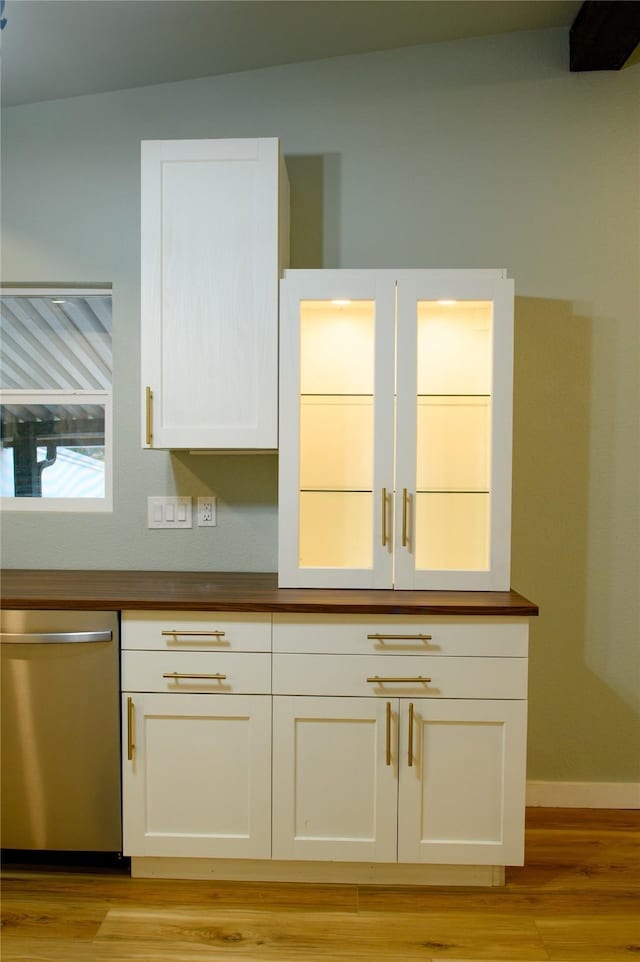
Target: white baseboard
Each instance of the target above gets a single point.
(583, 794)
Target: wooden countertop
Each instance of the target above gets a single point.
(234, 591)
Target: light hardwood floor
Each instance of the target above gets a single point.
(577, 898)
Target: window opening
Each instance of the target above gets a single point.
(55, 381)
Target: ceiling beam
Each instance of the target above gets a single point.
(604, 34)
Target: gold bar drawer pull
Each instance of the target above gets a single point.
(416, 679)
(377, 637)
(195, 633)
(178, 674)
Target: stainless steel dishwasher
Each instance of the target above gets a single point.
(60, 736)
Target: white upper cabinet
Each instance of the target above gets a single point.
(395, 429)
(215, 237)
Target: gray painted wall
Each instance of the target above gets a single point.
(478, 153)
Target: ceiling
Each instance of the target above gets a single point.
(53, 49)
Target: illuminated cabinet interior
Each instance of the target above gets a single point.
(395, 429)
(453, 434)
(337, 341)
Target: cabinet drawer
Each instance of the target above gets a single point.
(174, 671)
(448, 677)
(196, 631)
(369, 634)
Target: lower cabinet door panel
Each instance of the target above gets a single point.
(335, 778)
(198, 783)
(461, 801)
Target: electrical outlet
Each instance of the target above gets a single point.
(207, 512)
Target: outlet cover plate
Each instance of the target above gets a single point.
(207, 512)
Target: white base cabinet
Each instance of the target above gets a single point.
(385, 780)
(196, 735)
(379, 740)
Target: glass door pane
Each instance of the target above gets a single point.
(453, 435)
(336, 469)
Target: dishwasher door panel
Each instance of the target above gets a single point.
(60, 733)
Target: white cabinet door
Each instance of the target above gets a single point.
(214, 231)
(336, 429)
(453, 480)
(462, 782)
(395, 429)
(334, 779)
(197, 775)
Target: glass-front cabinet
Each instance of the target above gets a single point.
(395, 429)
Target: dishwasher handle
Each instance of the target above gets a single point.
(56, 638)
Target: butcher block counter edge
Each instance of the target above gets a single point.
(234, 591)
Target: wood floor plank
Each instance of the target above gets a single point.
(340, 937)
(37, 950)
(123, 889)
(600, 939)
(538, 904)
(47, 919)
(604, 819)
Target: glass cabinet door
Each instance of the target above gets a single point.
(336, 445)
(454, 431)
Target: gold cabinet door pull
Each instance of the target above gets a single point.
(384, 518)
(149, 415)
(405, 501)
(388, 746)
(377, 637)
(410, 748)
(416, 679)
(130, 724)
(178, 674)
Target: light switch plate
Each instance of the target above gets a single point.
(169, 512)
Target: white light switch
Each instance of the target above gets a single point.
(169, 512)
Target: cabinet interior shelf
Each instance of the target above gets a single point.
(418, 491)
(336, 490)
(453, 491)
(346, 394)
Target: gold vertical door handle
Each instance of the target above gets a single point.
(149, 416)
(410, 759)
(130, 722)
(388, 750)
(405, 500)
(384, 517)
